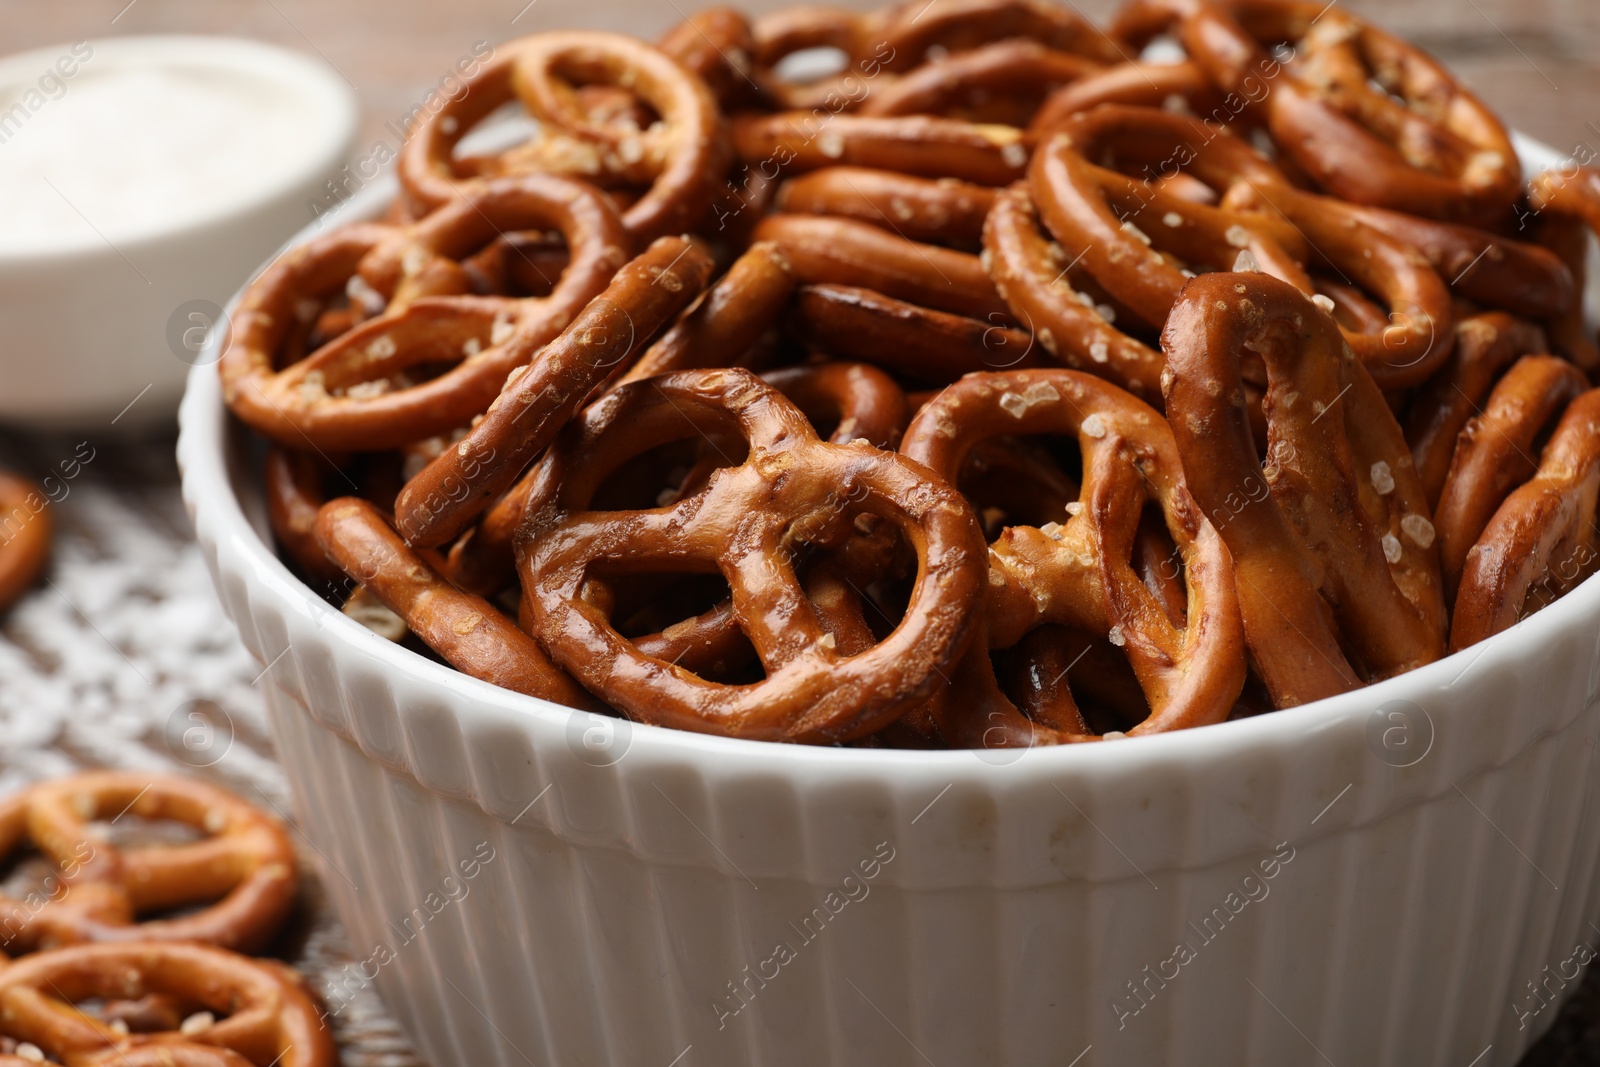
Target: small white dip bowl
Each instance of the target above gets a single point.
(142, 179)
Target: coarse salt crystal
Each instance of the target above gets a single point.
(1094, 426)
(1247, 263)
(1075, 508)
(1173, 219)
(1100, 352)
(1051, 530)
(1382, 478)
(194, 1024)
(1419, 529)
(1115, 637)
(382, 348)
(1237, 236)
(1391, 548)
(1323, 302)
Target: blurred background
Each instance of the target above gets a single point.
(123, 647)
(1537, 61)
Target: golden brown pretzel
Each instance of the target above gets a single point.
(1161, 144)
(353, 393)
(437, 504)
(912, 27)
(292, 482)
(1542, 539)
(1495, 453)
(914, 342)
(1031, 274)
(859, 401)
(1421, 331)
(1568, 239)
(729, 318)
(1124, 231)
(682, 158)
(1163, 85)
(1001, 82)
(791, 489)
(1331, 550)
(1486, 268)
(1485, 346)
(260, 1016)
(466, 630)
(941, 210)
(718, 45)
(1418, 142)
(924, 145)
(844, 252)
(24, 536)
(243, 870)
(1080, 572)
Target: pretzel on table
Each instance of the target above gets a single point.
(437, 504)
(243, 870)
(938, 210)
(25, 525)
(354, 393)
(1486, 345)
(1495, 452)
(1541, 541)
(745, 523)
(1331, 539)
(244, 1011)
(1079, 572)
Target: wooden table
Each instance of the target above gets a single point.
(125, 647)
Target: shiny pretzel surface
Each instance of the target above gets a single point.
(696, 401)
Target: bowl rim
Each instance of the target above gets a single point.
(334, 107)
(216, 508)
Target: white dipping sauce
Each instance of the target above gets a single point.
(131, 146)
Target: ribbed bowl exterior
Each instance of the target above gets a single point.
(1403, 876)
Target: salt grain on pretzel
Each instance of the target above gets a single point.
(744, 524)
(450, 492)
(1541, 541)
(1326, 559)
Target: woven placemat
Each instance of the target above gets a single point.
(122, 657)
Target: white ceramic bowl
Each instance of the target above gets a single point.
(1376, 879)
(104, 314)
